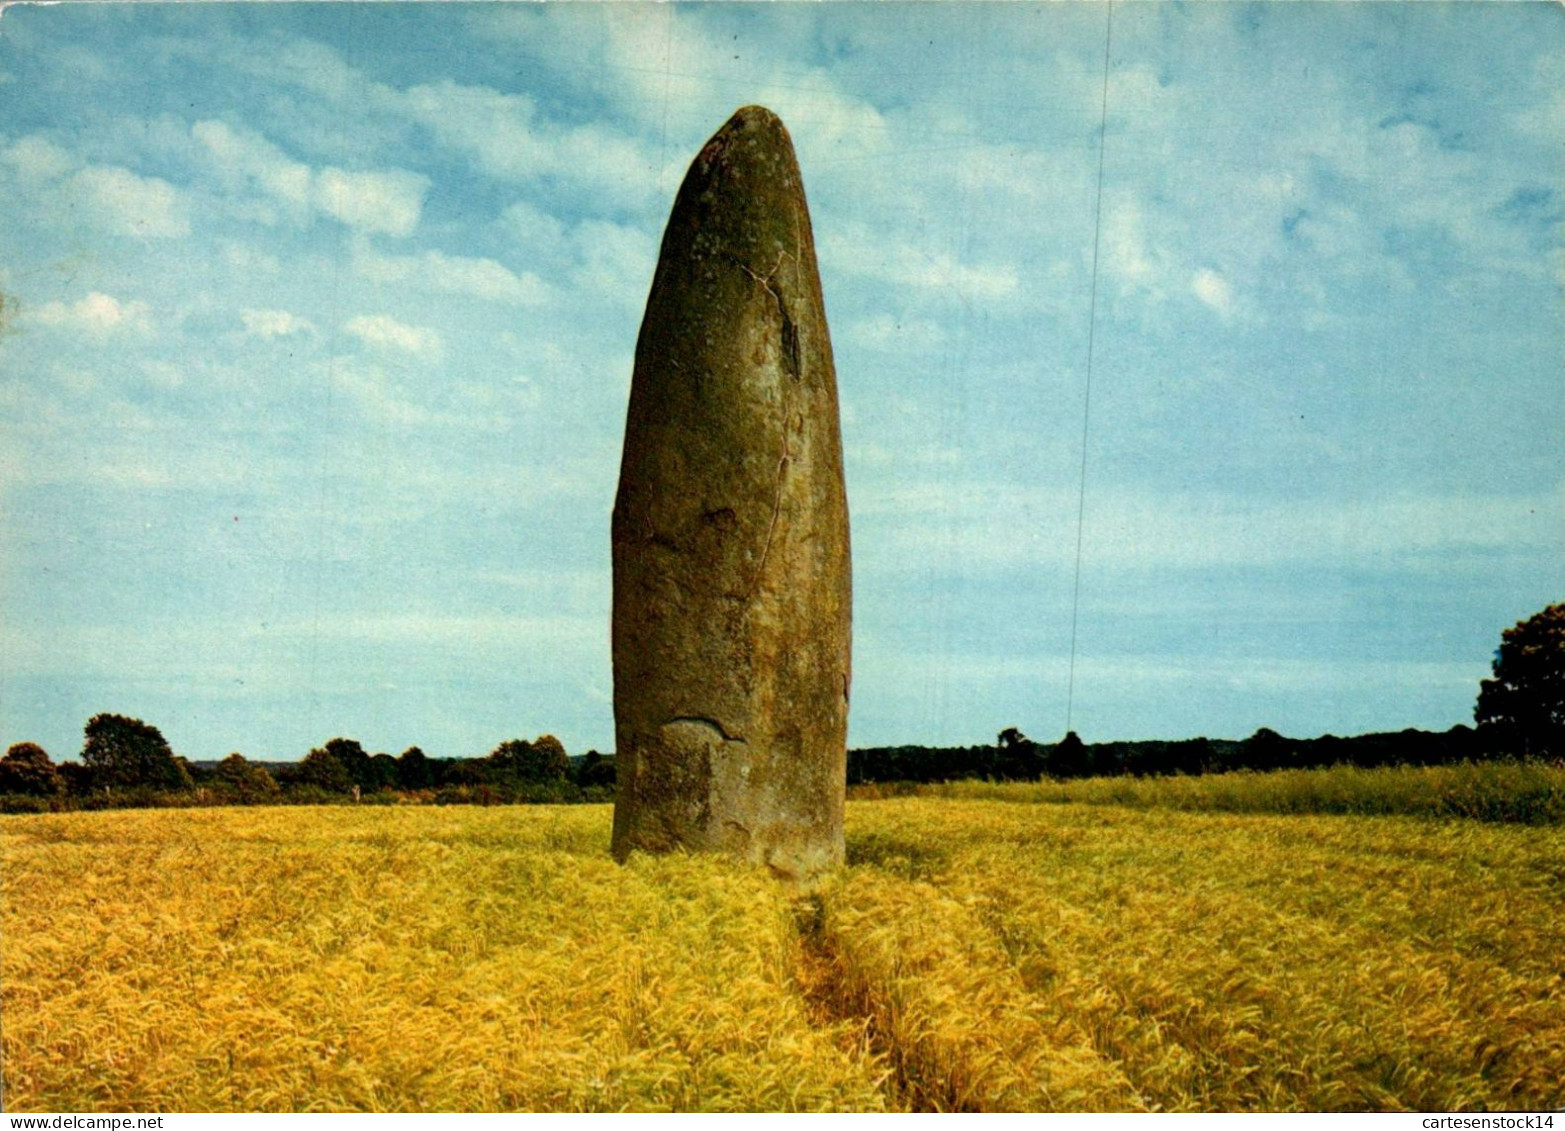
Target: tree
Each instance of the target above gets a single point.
(26, 768)
(78, 779)
(380, 772)
(595, 769)
(1267, 750)
(414, 770)
(1523, 707)
(322, 769)
(1017, 757)
(248, 782)
(1069, 758)
(539, 761)
(353, 758)
(550, 761)
(1192, 756)
(465, 771)
(127, 752)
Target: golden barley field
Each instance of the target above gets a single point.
(975, 955)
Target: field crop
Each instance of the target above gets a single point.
(1523, 792)
(974, 955)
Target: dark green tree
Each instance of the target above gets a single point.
(247, 782)
(505, 761)
(1522, 708)
(542, 760)
(78, 779)
(1017, 757)
(1069, 758)
(127, 752)
(1265, 750)
(322, 769)
(380, 773)
(550, 761)
(468, 771)
(1192, 756)
(26, 768)
(354, 759)
(595, 769)
(414, 770)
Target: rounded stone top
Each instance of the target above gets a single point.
(753, 131)
(755, 117)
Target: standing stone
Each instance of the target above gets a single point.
(732, 590)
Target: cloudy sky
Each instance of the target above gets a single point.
(318, 327)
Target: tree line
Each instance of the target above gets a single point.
(1520, 712)
(127, 762)
(1015, 757)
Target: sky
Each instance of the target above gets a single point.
(318, 328)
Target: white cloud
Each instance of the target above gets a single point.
(37, 158)
(384, 332)
(611, 263)
(108, 197)
(274, 323)
(673, 69)
(1140, 101)
(128, 205)
(510, 140)
(248, 258)
(1543, 115)
(454, 274)
(312, 66)
(513, 137)
(1212, 289)
(494, 127)
(614, 261)
(387, 201)
(505, 134)
(248, 157)
(1125, 253)
(859, 251)
(541, 234)
(96, 314)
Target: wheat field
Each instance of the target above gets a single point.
(974, 955)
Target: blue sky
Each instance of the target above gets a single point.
(319, 323)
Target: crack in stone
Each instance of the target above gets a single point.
(771, 527)
(710, 723)
(790, 332)
(790, 345)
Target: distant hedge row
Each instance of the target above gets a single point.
(127, 763)
(1015, 757)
